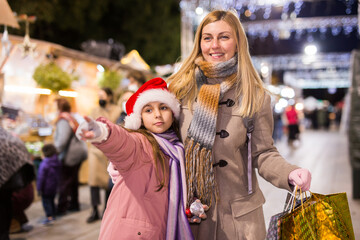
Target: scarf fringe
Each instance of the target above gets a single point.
(200, 182)
(200, 174)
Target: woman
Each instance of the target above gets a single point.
(218, 86)
(98, 177)
(293, 124)
(71, 155)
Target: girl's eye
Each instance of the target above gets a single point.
(148, 110)
(164, 108)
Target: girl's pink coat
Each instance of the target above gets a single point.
(134, 209)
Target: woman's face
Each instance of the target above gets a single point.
(218, 42)
(102, 95)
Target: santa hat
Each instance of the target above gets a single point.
(154, 90)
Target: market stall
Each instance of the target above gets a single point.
(35, 105)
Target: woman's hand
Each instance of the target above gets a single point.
(88, 129)
(300, 177)
(113, 172)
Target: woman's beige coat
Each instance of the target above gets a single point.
(98, 175)
(238, 215)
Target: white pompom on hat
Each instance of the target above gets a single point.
(154, 90)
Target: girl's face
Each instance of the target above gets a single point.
(157, 117)
(218, 42)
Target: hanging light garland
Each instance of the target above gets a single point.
(347, 24)
(254, 5)
(277, 28)
(299, 61)
(325, 78)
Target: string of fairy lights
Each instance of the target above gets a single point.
(257, 16)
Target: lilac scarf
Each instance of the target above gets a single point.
(178, 227)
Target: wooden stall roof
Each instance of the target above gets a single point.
(59, 50)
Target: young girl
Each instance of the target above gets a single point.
(147, 201)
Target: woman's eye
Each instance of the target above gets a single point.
(206, 38)
(148, 110)
(224, 37)
(164, 108)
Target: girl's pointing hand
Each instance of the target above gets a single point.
(88, 129)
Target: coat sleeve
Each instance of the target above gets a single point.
(271, 165)
(124, 149)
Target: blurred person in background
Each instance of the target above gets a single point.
(278, 125)
(21, 200)
(71, 154)
(136, 80)
(122, 101)
(16, 173)
(48, 179)
(98, 176)
(293, 124)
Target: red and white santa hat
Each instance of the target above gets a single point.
(154, 90)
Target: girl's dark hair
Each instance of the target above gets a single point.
(63, 105)
(109, 93)
(161, 166)
(49, 150)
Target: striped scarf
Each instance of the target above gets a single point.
(177, 227)
(201, 133)
(71, 120)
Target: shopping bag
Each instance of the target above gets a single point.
(320, 217)
(274, 231)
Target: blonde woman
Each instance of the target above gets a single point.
(218, 87)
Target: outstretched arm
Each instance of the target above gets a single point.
(122, 148)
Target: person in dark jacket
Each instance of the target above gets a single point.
(48, 181)
(16, 172)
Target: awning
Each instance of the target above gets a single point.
(6, 15)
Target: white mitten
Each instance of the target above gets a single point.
(113, 172)
(300, 177)
(92, 131)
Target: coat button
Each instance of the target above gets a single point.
(229, 103)
(223, 134)
(221, 163)
(139, 233)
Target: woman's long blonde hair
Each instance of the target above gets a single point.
(249, 86)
